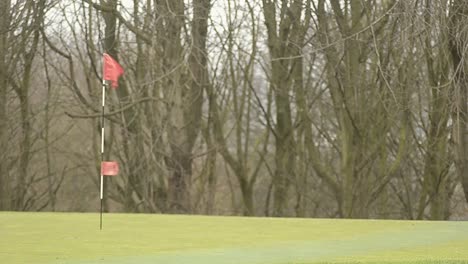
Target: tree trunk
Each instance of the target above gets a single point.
(279, 34)
(130, 131)
(186, 101)
(458, 43)
(5, 202)
(436, 160)
(25, 105)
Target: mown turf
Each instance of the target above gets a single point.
(129, 238)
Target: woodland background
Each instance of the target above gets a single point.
(300, 108)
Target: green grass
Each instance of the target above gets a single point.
(131, 238)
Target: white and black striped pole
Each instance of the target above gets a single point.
(111, 70)
(102, 145)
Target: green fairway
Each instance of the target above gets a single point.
(137, 238)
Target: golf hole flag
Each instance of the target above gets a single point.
(112, 70)
(109, 168)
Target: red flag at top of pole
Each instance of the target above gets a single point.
(112, 70)
(109, 168)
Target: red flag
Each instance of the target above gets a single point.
(112, 70)
(109, 168)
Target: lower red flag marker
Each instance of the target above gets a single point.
(109, 168)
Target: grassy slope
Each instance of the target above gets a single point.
(75, 238)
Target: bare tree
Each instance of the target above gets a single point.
(458, 42)
(282, 34)
(5, 181)
(181, 87)
(19, 41)
(232, 102)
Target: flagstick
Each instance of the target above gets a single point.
(102, 145)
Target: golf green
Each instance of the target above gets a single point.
(139, 238)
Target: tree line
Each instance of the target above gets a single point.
(299, 108)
